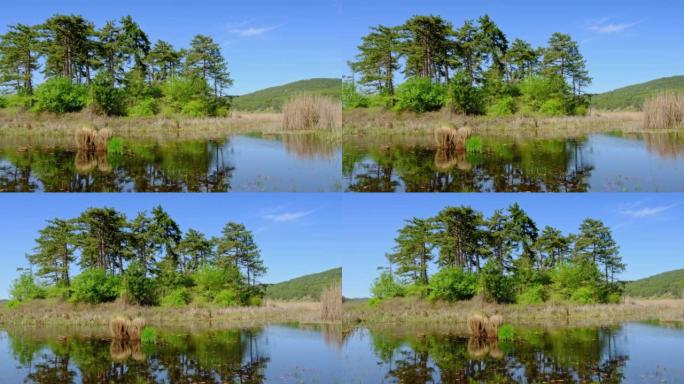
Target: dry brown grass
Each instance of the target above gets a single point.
(664, 111)
(311, 112)
(331, 303)
(445, 136)
(55, 313)
(455, 315)
(371, 121)
(477, 326)
(135, 328)
(119, 327)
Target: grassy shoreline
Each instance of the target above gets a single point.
(442, 315)
(374, 121)
(51, 313)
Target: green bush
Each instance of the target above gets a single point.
(95, 286)
(59, 95)
(227, 298)
(614, 298)
(351, 98)
(115, 146)
(474, 144)
(552, 107)
(194, 108)
(502, 107)
(140, 288)
(107, 99)
(178, 297)
(255, 301)
(463, 97)
(381, 101)
(57, 292)
(12, 304)
(3, 102)
(211, 279)
(568, 278)
(148, 335)
(419, 94)
(532, 295)
(18, 101)
(452, 284)
(180, 91)
(506, 333)
(495, 285)
(584, 295)
(417, 290)
(25, 288)
(580, 110)
(146, 107)
(385, 287)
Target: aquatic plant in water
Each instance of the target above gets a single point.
(148, 335)
(506, 333)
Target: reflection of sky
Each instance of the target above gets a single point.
(655, 353)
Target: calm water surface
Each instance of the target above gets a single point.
(600, 162)
(238, 163)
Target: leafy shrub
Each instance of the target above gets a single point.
(552, 107)
(194, 108)
(144, 108)
(463, 97)
(18, 101)
(580, 110)
(182, 90)
(502, 107)
(584, 295)
(107, 99)
(59, 95)
(381, 101)
(532, 295)
(140, 288)
(385, 287)
(94, 286)
(351, 98)
(227, 298)
(568, 278)
(614, 298)
(419, 94)
(452, 284)
(178, 297)
(25, 288)
(3, 102)
(254, 301)
(417, 290)
(11, 304)
(536, 90)
(495, 285)
(211, 279)
(57, 292)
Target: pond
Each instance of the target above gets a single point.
(629, 353)
(598, 162)
(273, 354)
(297, 162)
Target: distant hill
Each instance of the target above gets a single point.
(307, 287)
(272, 99)
(632, 97)
(666, 284)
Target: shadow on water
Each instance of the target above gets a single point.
(601, 162)
(242, 163)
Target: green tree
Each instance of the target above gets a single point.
(60, 95)
(94, 286)
(164, 61)
(469, 51)
(204, 59)
(522, 231)
(107, 98)
(413, 250)
(562, 57)
(102, 240)
(420, 94)
(493, 42)
(55, 250)
(452, 284)
(110, 51)
(68, 47)
(195, 251)
(385, 286)
(460, 238)
(552, 248)
(463, 97)
(140, 288)
(521, 60)
(378, 59)
(498, 239)
(134, 43)
(236, 247)
(595, 243)
(26, 288)
(426, 45)
(19, 55)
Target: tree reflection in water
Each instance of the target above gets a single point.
(214, 357)
(570, 355)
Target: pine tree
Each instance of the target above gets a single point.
(54, 251)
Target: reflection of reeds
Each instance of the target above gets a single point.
(477, 347)
(446, 159)
(664, 110)
(86, 161)
(312, 112)
(334, 335)
(331, 303)
(308, 145)
(119, 350)
(670, 144)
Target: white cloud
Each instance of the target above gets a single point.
(602, 26)
(638, 213)
(252, 31)
(284, 217)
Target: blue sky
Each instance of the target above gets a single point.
(624, 42)
(302, 233)
(296, 232)
(266, 42)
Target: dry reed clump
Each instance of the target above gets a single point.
(136, 328)
(480, 326)
(119, 327)
(122, 328)
(331, 303)
(307, 112)
(664, 111)
(448, 137)
(90, 140)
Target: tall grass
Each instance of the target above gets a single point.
(309, 112)
(448, 137)
(664, 111)
(90, 140)
(331, 303)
